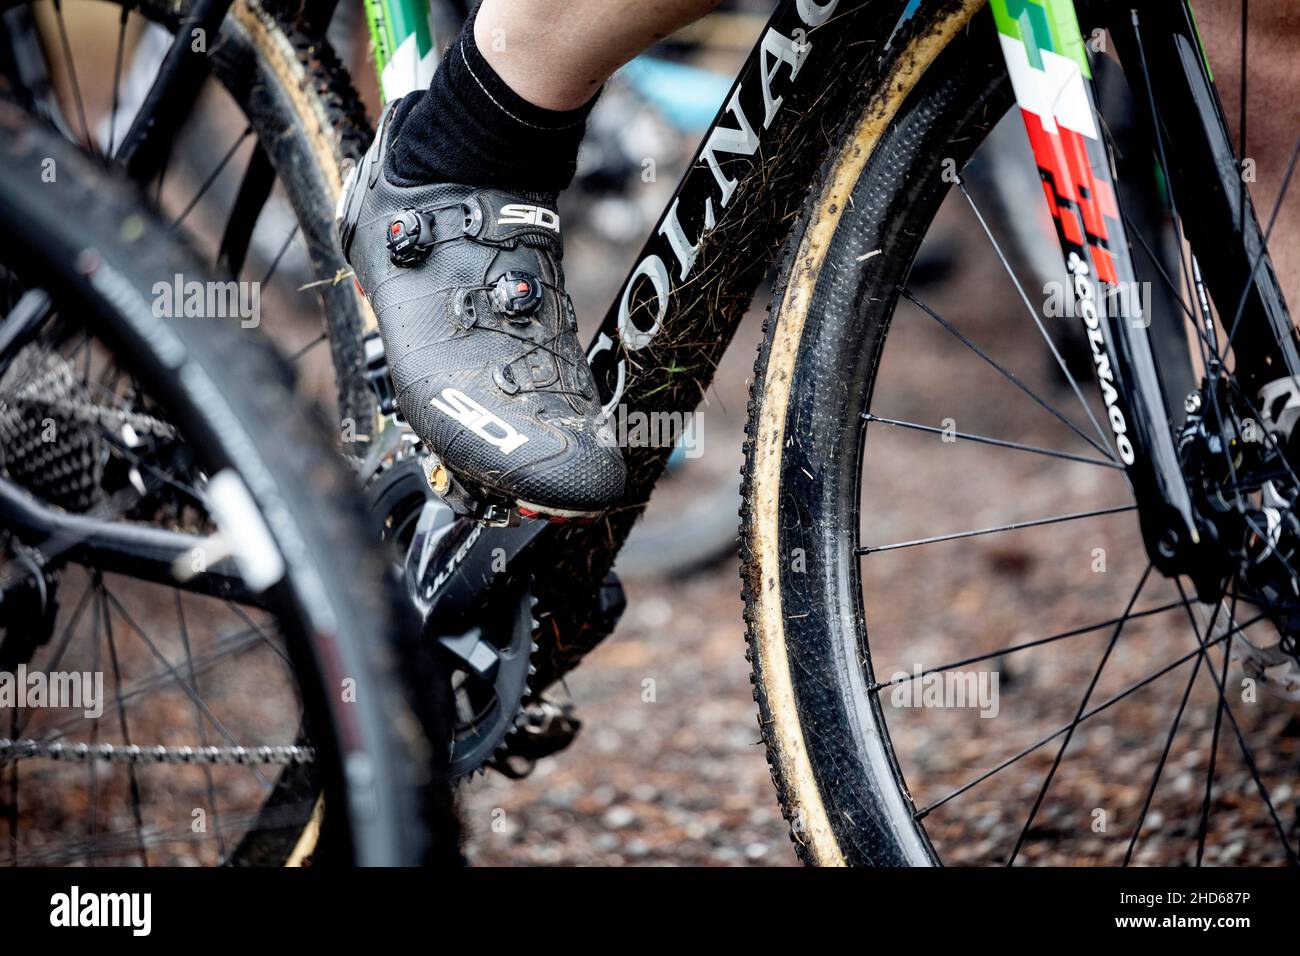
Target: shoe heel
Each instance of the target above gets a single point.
(356, 180)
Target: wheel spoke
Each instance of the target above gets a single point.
(284, 247)
(1038, 321)
(262, 635)
(117, 842)
(298, 355)
(1241, 114)
(1106, 704)
(94, 726)
(1246, 752)
(228, 645)
(1001, 370)
(117, 81)
(1204, 826)
(1263, 249)
(66, 46)
(877, 686)
(1078, 716)
(1207, 347)
(61, 648)
(183, 684)
(1169, 742)
(200, 726)
(1014, 526)
(132, 779)
(212, 176)
(999, 442)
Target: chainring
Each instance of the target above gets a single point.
(491, 666)
(491, 662)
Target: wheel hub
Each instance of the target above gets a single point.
(1237, 457)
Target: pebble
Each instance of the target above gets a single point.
(619, 818)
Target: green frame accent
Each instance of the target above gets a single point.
(1205, 57)
(391, 22)
(380, 46)
(1043, 25)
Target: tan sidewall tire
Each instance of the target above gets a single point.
(792, 769)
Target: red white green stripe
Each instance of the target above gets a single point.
(1048, 65)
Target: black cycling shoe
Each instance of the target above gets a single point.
(481, 338)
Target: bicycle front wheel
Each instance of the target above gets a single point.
(960, 651)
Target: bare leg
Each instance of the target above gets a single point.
(1272, 111)
(557, 53)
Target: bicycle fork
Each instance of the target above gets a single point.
(1047, 60)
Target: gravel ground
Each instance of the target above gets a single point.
(666, 773)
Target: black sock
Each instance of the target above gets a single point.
(469, 127)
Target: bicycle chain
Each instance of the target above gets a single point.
(136, 754)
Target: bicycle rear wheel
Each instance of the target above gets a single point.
(252, 175)
(176, 528)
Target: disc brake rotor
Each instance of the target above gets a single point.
(1262, 485)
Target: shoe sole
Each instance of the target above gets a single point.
(556, 515)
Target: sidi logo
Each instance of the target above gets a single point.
(74, 908)
(479, 420)
(517, 214)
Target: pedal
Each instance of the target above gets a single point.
(545, 727)
(489, 510)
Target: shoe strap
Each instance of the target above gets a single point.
(494, 217)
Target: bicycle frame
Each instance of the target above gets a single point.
(402, 39)
(661, 339)
(675, 314)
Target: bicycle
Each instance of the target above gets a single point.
(162, 540)
(847, 128)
